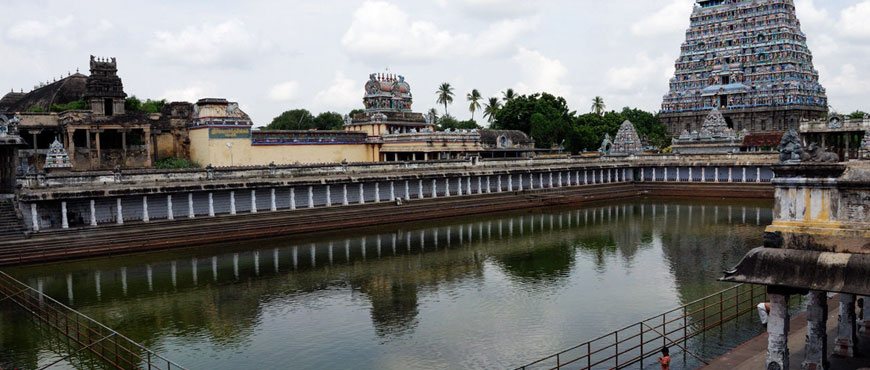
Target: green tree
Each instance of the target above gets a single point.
(329, 121)
(490, 109)
(449, 122)
(598, 106)
(508, 95)
(296, 119)
(80, 104)
(433, 113)
(355, 112)
(474, 101)
(445, 95)
(35, 109)
(134, 104)
(857, 114)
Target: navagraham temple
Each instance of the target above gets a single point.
(745, 108)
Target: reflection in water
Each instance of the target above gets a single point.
(489, 291)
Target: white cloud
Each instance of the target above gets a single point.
(541, 74)
(225, 44)
(191, 92)
(643, 71)
(493, 9)
(383, 31)
(850, 81)
(809, 14)
(343, 95)
(285, 91)
(856, 20)
(34, 30)
(672, 18)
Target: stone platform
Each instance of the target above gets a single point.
(752, 355)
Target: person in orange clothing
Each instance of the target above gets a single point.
(665, 360)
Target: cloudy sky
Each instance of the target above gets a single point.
(276, 55)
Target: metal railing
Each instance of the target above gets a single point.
(635, 343)
(87, 340)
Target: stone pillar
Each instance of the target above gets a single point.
(551, 179)
(488, 185)
(459, 188)
(72, 145)
(362, 194)
(653, 174)
(846, 330)
(392, 191)
(585, 177)
(191, 213)
(377, 192)
(310, 197)
(344, 201)
(119, 218)
(468, 185)
(777, 331)
(254, 201)
(447, 187)
(730, 173)
(292, 198)
(407, 190)
(99, 153)
(498, 184)
(64, 221)
(93, 213)
(434, 188)
(328, 196)
(540, 181)
(232, 202)
(568, 180)
(559, 178)
(743, 178)
(817, 336)
(703, 174)
(149, 145)
(479, 185)
(642, 174)
(511, 183)
(210, 204)
(420, 189)
(691, 179)
(273, 205)
(716, 174)
(665, 178)
(34, 217)
(169, 214)
(757, 174)
(145, 217)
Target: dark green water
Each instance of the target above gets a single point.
(492, 291)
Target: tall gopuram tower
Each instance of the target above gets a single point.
(749, 59)
(104, 90)
(387, 103)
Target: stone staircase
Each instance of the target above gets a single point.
(11, 227)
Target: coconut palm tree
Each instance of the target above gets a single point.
(508, 95)
(491, 109)
(445, 95)
(474, 99)
(598, 106)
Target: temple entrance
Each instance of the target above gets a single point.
(723, 101)
(7, 169)
(108, 107)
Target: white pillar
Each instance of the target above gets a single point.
(362, 194)
(169, 214)
(703, 174)
(407, 190)
(743, 179)
(479, 185)
(568, 174)
(93, 213)
(585, 177)
(551, 179)
(447, 187)
(34, 217)
(541, 180)
(145, 217)
(690, 175)
(777, 331)
(757, 174)
(642, 174)
(273, 206)
(420, 189)
(653, 174)
(468, 185)
(119, 218)
(191, 213)
(511, 183)
(64, 222)
(377, 192)
(328, 195)
(498, 184)
(488, 185)
(716, 174)
(392, 191)
(253, 201)
(666, 174)
(730, 179)
(292, 198)
(344, 201)
(459, 188)
(210, 204)
(434, 188)
(310, 196)
(232, 202)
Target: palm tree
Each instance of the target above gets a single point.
(491, 109)
(598, 106)
(474, 98)
(508, 95)
(445, 95)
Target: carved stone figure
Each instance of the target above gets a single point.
(790, 148)
(819, 154)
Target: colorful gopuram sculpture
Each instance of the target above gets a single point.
(715, 137)
(57, 156)
(749, 59)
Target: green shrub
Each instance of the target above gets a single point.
(176, 163)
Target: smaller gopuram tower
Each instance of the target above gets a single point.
(387, 102)
(104, 90)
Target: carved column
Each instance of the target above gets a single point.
(210, 205)
(64, 221)
(293, 198)
(362, 195)
(232, 202)
(169, 213)
(817, 336)
(145, 217)
(119, 218)
(846, 331)
(777, 330)
(93, 213)
(254, 200)
(34, 217)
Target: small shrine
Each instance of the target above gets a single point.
(715, 137)
(57, 157)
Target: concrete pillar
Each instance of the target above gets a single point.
(210, 204)
(642, 174)
(93, 213)
(273, 206)
(392, 191)
(64, 221)
(344, 201)
(362, 194)
(716, 174)
(253, 201)
(34, 217)
(844, 345)
(377, 192)
(817, 337)
(292, 198)
(730, 178)
(777, 331)
(703, 174)
(407, 190)
(585, 177)
(420, 189)
(757, 174)
(434, 188)
(479, 185)
(119, 217)
(328, 195)
(191, 213)
(511, 183)
(665, 177)
(488, 185)
(691, 179)
(468, 185)
(653, 174)
(743, 178)
(551, 179)
(498, 184)
(145, 217)
(169, 214)
(310, 197)
(232, 202)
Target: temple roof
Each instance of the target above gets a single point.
(515, 136)
(64, 91)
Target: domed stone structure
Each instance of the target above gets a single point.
(715, 137)
(626, 142)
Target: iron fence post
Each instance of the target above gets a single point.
(588, 356)
(558, 362)
(616, 335)
(685, 326)
(640, 326)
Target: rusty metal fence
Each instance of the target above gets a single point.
(638, 344)
(86, 340)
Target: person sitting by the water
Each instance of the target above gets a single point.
(763, 311)
(665, 360)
